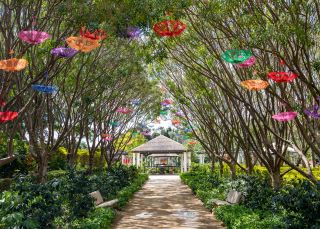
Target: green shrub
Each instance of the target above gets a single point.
(240, 217)
(300, 205)
(99, 218)
(5, 184)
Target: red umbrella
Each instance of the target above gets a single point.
(6, 116)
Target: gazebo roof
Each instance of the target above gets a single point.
(160, 144)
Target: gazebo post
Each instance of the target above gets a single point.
(185, 161)
(189, 160)
(133, 158)
(181, 162)
(138, 160)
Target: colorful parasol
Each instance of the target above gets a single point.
(235, 56)
(95, 34)
(12, 65)
(106, 137)
(166, 102)
(6, 116)
(169, 28)
(133, 32)
(63, 52)
(313, 111)
(164, 112)
(247, 63)
(82, 44)
(192, 142)
(136, 102)
(281, 77)
(115, 123)
(255, 85)
(124, 110)
(179, 114)
(33, 37)
(44, 88)
(285, 116)
(175, 122)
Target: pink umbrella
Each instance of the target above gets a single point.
(124, 110)
(33, 37)
(285, 116)
(247, 63)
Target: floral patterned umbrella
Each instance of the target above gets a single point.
(33, 37)
(63, 52)
(281, 77)
(255, 84)
(93, 34)
(169, 28)
(235, 56)
(313, 111)
(285, 116)
(12, 65)
(44, 88)
(247, 63)
(6, 116)
(82, 44)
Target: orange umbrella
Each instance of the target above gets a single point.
(175, 122)
(82, 44)
(255, 85)
(13, 65)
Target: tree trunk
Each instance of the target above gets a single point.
(221, 167)
(233, 170)
(275, 179)
(42, 167)
(212, 164)
(91, 158)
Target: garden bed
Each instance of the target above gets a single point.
(295, 205)
(64, 202)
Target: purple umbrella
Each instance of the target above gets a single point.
(63, 52)
(133, 32)
(313, 112)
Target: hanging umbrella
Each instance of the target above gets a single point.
(313, 111)
(124, 110)
(281, 77)
(247, 63)
(44, 88)
(63, 52)
(169, 28)
(12, 65)
(6, 116)
(235, 56)
(255, 85)
(285, 116)
(106, 137)
(133, 32)
(33, 37)
(94, 34)
(82, 44)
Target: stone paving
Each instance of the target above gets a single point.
(165, 202)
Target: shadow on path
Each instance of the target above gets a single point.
(165, 202)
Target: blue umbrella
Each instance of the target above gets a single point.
(44, 88)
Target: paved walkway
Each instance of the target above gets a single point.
(164, 202)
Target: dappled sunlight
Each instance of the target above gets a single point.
(164, 202)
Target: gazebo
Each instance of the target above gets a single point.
(162, 147)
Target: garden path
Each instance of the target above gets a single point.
(165, 202)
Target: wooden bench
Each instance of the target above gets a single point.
(99, 200)
(233, 197)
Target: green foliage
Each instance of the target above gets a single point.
(300, 204)
(295, 205)
(65, 198)
(240, 217)
(99, 218)
(58, 160)
(5, 184)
